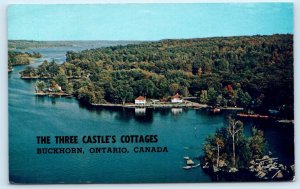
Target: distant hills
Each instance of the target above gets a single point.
(31, 44)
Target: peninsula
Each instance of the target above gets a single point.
(252, 72)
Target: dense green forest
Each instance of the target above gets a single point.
(247, 71)
(19, 58)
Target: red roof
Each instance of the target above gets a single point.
(140, 98)
(176, 96)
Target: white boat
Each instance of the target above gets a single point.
(196, 165)
(187, 167)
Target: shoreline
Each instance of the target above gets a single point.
(187, 104)
(52, 94)
(39, 77)
(165, 105)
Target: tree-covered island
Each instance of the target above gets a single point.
(253, 72)
(16, 58)
(232, 155)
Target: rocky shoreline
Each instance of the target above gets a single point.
(264, 169)
(268, 168)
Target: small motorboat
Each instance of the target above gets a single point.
(216, 110)
(194, 166)
(187, 167)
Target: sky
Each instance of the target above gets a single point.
(147, 21)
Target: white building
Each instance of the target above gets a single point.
(140, 100)
(176, 99)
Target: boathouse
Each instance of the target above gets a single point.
(140, 100)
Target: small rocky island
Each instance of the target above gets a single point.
(229, 153)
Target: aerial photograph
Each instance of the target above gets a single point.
(150, 93)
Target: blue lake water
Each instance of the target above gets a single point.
(182, 131)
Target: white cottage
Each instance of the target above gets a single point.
(55, 88)
(176, 98)
(140, 100)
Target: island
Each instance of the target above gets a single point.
(16, 58)
(230, 153)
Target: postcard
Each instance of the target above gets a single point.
(150, 93)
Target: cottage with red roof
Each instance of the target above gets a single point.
(140, 100)
(176, 98)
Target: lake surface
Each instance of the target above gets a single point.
(182, 131)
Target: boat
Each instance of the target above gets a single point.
(187, 167)
(190, 162)
(194, 166)
(216, 110)
(253, 116)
